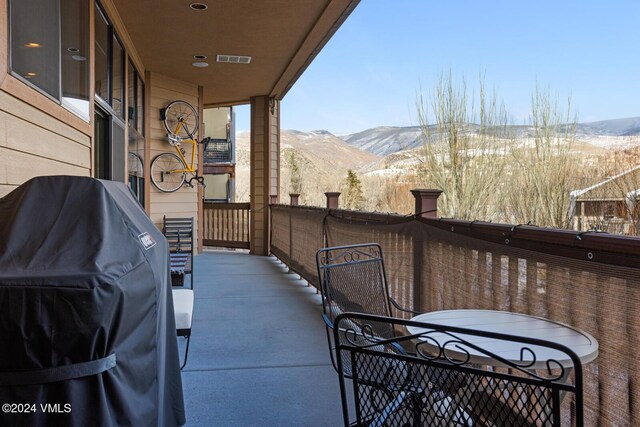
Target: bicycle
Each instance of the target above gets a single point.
(169, 171)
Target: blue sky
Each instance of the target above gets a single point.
(371, 70)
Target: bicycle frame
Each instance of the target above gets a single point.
(194, 148)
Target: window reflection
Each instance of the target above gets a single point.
(117, 85)
(102, 56)
(35, 43)
(74, 52)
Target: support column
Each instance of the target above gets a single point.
(265, 167)
(295, 199)
(426, 202)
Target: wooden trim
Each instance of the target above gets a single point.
(92, 81)
(228, 103)
(200, 166)
(218, 169)
(227, 206)
(278, 148)
(267, 171)
(121, 31)
(4, 40)
(331, 18)
(30, 95)
(226, 244)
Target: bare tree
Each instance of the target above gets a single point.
(464, 150)
(541, 176)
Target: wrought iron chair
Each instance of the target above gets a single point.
(353, 279)
(392, 389)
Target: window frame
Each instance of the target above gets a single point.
(111, 35)
(60, 99)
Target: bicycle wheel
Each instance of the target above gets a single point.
(167, 172)
(180, 118)
(136, 167)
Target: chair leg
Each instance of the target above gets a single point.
(186, 352)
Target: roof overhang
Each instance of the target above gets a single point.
(281, 36)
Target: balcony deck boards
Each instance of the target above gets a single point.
(258, 353)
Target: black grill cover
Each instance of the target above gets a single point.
(86, 314)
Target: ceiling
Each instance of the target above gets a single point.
(281, 36)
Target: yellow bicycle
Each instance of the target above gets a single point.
(169, 171)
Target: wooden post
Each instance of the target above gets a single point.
(264, 167)
(426, 207)
(273, 199)
(295, 199)
(426, 202)
(332, 200)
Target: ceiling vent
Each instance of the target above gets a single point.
(234, 59)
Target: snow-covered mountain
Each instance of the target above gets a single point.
(385, 140)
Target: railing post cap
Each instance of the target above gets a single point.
(294, 194)
(423, 192)
(332, 193)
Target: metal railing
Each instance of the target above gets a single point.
(218, 151)
(226, 225)
(587, 280)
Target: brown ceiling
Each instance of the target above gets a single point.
(281, 36)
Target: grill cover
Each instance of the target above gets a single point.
(87, 329)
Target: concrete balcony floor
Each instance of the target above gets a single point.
(258, 353)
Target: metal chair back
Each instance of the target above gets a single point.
(353, 279)
(430, 387)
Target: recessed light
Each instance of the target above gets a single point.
(29, 75)
(200, 56)
(200, 64)
(198, 6)
(73, 50)
(78, 58)
(33, 45)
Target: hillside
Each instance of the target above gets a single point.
(322, 159)
(385, 140)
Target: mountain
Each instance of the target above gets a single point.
(616, 127)
(385, 140)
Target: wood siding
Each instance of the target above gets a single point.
(184, 202)
(32, 143)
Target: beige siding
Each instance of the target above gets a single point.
(184, 202)
(33, 143)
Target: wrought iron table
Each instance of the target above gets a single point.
(502, 322)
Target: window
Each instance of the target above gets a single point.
(135, 98)
(135, 102)
(109, 67)
(102, 55)
(117, 88)
(49, 49)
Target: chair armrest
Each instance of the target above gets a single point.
(406, 310)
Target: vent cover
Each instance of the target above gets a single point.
(235, 59)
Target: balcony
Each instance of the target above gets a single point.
(585, 279)
(218, 151)
(258, 352)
